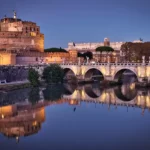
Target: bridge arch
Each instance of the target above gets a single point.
(126, 92)
(94, 74)
(93, 92)
(68, 72)
(125, 71)
(69, 89)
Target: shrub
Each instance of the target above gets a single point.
(33, 77)
(53, 74)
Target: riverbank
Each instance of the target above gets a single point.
(14, 86)
(26, 84)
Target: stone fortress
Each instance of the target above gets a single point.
(17, 35)
(21, 42)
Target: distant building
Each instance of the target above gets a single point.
(84, 47)
(113, 57)
(92, 46)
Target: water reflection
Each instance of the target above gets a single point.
(22, 112)
(20, 120)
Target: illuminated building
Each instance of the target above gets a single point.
(21, 42)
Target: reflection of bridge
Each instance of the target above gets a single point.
(117, 96)
(108, 71)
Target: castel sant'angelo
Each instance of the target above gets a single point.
(21, 42)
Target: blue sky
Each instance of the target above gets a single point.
(63, 21)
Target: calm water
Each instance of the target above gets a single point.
(75, 118)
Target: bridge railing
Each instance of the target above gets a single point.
(106, 64)
(82, 64)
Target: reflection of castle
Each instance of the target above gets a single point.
(17, 122)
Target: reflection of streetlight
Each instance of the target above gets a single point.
(17, 139)
(1, 60)
(2, 115)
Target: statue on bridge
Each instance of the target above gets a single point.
(87, 59)
(143, 59)
(79, 61)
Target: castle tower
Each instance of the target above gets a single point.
(15, 14)
(106, 42)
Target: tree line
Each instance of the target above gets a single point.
(135, 51)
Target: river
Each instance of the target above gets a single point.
(73, 118)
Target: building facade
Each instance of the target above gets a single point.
(19, 35)
(98, 57)
(92, 46)
(21, 42)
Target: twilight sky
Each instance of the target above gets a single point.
(64, 21)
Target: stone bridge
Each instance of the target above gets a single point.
(107, 71)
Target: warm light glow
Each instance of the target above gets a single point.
(3, 116)
(74, 95)
(34, 123)
(83, 94)
(139, 100)
(103, 97)
(147, 101)
(17, 138)
(132, 86)
(33, 34)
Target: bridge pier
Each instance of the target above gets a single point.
(108, 77)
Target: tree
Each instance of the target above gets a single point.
(53, 74)
(89, 55)
(86, 54)
(33, 77)
(56, 50)
(53, 92)
(106, 49)
(135, 51)
(34, 96)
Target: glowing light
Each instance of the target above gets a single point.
(103, 97)
(34, 123)
(83, 94)
(139, 100)
(132, 86)
(147, 101)
(3, 116)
